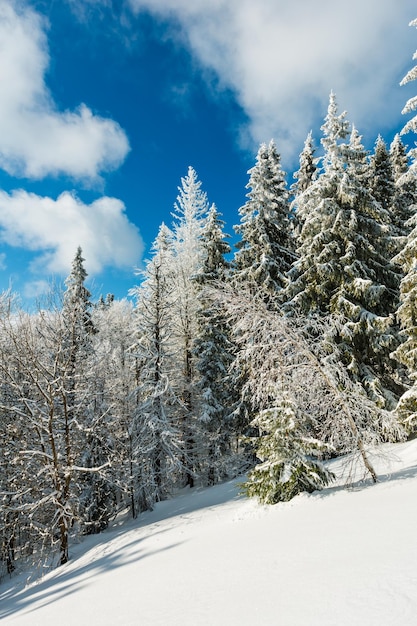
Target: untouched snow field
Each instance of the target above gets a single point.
(211, 557)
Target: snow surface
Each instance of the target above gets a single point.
(212, 557)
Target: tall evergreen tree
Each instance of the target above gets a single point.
(307, 171)
(342, 267)
(406, 353)
(78, 349)
(77, 304)
(153, 434)
(334, 129)
(213, 349)
(398, 157)
(382, 182)
(304, 176)
(265, 250)
(405, 190)
(188, 254)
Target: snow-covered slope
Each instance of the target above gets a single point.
(211, 557)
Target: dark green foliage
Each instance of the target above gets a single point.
(289, 457)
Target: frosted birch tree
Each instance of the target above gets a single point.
(47, 455)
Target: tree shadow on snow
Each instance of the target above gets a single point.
(69, 578)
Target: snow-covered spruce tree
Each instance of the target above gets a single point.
(335, 129)
(190, 214)
(370, 288)
(310, 280)
(300, 389)
(288, 454)
(405, 178)
(84, 391)
(405, 174)
(213, 352)
(406, 181)
(406, 353)
(154, 436)
(307, 171)
(304, 176)
(382, 182)
(77, 306)
(265, 249)
(383, 189)
(343, 267)
(398, 157)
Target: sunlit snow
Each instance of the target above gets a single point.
(343, 556)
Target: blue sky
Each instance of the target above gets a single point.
(105, 103)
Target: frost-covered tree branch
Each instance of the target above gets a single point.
(282, 359)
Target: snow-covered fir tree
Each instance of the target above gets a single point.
(265, 249)
(289, 455)
(343, 267)
(77, 304)
(213, 350)
(398, 157)
(307, 170)
(406, 353)
(334, 129)
(382, 182)
(405, 174)
(190, 214)
(82, 386)
(304, 176)
(154, 431)
(383, 189)
(405, 190)
(311, 279)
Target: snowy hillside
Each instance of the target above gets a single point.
(211, 557)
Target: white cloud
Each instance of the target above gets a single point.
(55, 228)
(36, 288)
(282, 58)
(36, 139)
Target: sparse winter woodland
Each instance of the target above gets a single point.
(296, 346)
